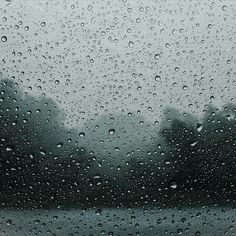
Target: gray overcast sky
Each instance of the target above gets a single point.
(103, 53)
(105, 57)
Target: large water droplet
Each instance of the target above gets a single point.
(158, 78)
(156, 56)
(43, 24)
(224, 8)
(82, 134)
(9, 222)
(199, 127)
(131, 44)
(9, 148)
(59, 145)
(193, 144)
(111, 131)
(42, 152)
(139, 88)
(4, 39)
(173, 184)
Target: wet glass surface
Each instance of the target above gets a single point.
(117, 117)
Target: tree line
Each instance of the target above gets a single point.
(43, 164)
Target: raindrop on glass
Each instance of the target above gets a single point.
(173, 184)
(3, 39)
(82, 135)
(111, 131)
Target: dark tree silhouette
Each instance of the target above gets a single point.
(41, 162)
(199, 164)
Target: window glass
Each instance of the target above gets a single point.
(117, 117)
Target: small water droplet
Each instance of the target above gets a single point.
(82, 135)
(97, 177)
(90, 7)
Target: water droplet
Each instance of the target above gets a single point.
(199, 127)
(9, 222)
(111, 131)
(139, 88)
(173, 184)
(129, 9)
(59, 145)
(193, 144)
(158, 78)
(43, 153)
(131, 44)
(9, 148)
(90, 7)
(97, 177)
(43, 24)
(210, 26)
(4, 39)
(82, 135)
(179, 231)
(98, 212)
(224, 7)
(157, 56)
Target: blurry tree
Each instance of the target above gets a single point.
(38, 153)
